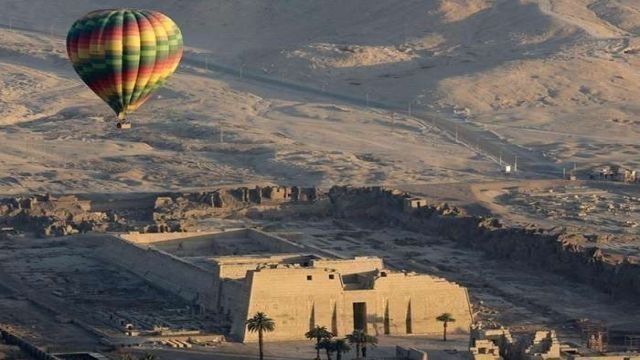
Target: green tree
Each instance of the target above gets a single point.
(340, 347)
(445, 318)
(327, 345)
(318, 334)
(260, 323)
(360, 339)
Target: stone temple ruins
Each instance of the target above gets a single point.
(186, 270)
(296, 287)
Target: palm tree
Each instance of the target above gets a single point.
(260, 323)
(318, 333)
(356, 337)
(327, 345)
(361, 339)
(145, 356)
(445, 318)
(340, 346)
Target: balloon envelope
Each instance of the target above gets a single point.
(123, 55)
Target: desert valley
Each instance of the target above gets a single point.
(484, 145)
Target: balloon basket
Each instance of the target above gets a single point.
(126, 125)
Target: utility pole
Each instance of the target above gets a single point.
(26, 147)
(404, 31)
(515, 166)
(456, 133)
(393, 123)
(500, 159)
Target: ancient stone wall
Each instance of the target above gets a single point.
(197, 285)
(236, 267)
(360, 264)
(230, 242)
(35, 352)
(410, 354)
(151, 238)
(396, 303)
(297, 296)
(275, 243)
(143, 254)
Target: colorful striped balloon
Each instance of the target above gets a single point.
(123, 55)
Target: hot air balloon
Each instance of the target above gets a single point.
(123, 55)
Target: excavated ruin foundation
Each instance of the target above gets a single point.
(555, 250)
(572, 255)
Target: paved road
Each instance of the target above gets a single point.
(530, 162)
(203, 355)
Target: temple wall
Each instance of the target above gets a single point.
(193, 283)
(351, 266)
(299, 297)
(398, 304)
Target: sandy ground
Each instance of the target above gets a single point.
(556, 76)
(202, 130)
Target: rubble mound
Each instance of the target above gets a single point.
(51, 216)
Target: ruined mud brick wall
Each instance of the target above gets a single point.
(178, 206)
(48, 215)
(553, 250)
